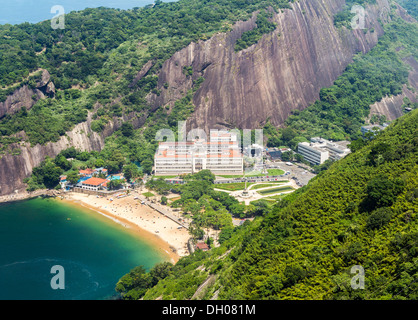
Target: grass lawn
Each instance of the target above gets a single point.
(275, 190)
(275, 172)
(232, 186)
(230, 176)
(173, 199)
(268, 184)
(148, 194)
(276, 197)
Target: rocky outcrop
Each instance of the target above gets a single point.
(26, 96)
(283, 71)
(13, 169)
(22, 97)
(392, 107)
(142, 73)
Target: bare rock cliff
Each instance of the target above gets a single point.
(26, 96)
(392, 107)
(283, 71)
(13, 169)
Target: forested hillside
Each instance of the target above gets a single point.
(105, 66)
(98, 56)
(361, 211)
(105, 70)
(411, 6)
(342, 108)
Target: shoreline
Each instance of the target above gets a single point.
(154, 228)
(25, 195)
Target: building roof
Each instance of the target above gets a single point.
(87, 171)
(202, 246)
(94, 181)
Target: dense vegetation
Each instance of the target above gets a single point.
(342, 108)
(263, 26)
(411, 6)
(302, 247)
(206, 207)
(361, 211)
(94, 62)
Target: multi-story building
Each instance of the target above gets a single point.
(319, 150)
(312, 153)
(220, 155)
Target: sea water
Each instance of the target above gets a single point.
(93, 251)
(19, 11)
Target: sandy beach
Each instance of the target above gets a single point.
(160, 231)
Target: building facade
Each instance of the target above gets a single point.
(220, 155)
(94, 184)
(319, 150)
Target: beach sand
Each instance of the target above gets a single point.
(160, 231)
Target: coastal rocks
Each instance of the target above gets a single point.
(283, 71)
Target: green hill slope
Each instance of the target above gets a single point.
(362, 211)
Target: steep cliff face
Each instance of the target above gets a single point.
(22, 97)
(13, 169)
(391, 107)
(26, 96)
(284, 71)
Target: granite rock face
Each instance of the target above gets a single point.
(15, 168)
(26, 96)
(283, 71)
(392, 107)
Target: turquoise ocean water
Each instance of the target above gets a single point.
(19, 11)
(93, 250)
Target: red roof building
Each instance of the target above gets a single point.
(202, 246)
(87, 172)
(93, 183)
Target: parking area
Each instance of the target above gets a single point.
(300, 173)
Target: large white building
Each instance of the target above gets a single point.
(220, 155)
(319, 150)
